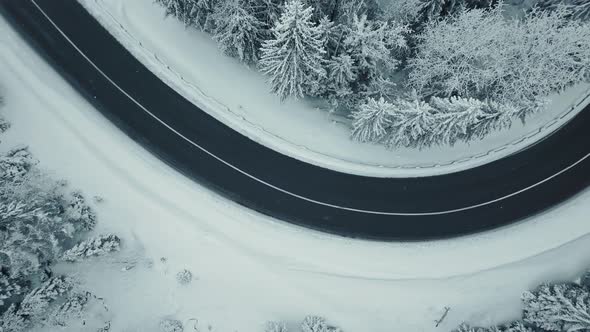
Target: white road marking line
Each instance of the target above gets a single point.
(283, 190)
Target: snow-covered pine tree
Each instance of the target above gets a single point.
(314, 324)
(372, 121)
(96, 246)
(585, 280)
(410, 122)
(370, 44)
(470, 54)
(579, 9)
(405, 11)
(175, 8)
(17, 210)
(190, 12)
(561, 307)
(293, 58)
(467, 118)
(326, 8)
(237, 31)
(433, 9)
(342, 73)
(11, 321)
(198, 13)
(268, 13)
(172, 7)
(328, 35)
(35, 306)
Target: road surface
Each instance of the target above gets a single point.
(206, 150)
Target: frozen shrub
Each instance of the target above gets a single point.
(467, 328)
(314, 324)
(184, 277)
(517, 327)
(84, 219)
(512, 327)
(96, 246)
(171, 325)
(73, 308)
(561, 307)
(15, 164)
(4, 125)
(275, 327)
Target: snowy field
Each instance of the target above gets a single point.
(249, 268)
(189, 61)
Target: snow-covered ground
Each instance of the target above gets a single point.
(250, 268)
(189, 61)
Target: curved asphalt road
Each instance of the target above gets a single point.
(201, 147)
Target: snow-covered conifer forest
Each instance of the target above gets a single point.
(411, 73)
(42, 224)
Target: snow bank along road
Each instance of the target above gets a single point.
(204, 149)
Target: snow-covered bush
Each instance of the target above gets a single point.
(171, 325)
(275, 327)
(9, 286)
(481, 54)
(237, 31)
(411, 122)
(293, 58)
(16, 163)
(314, 324)
(4, 124)
(561, 307)
(467, 328)
(96, 246)
(83, 217)
(512, 327)
(184, 277)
